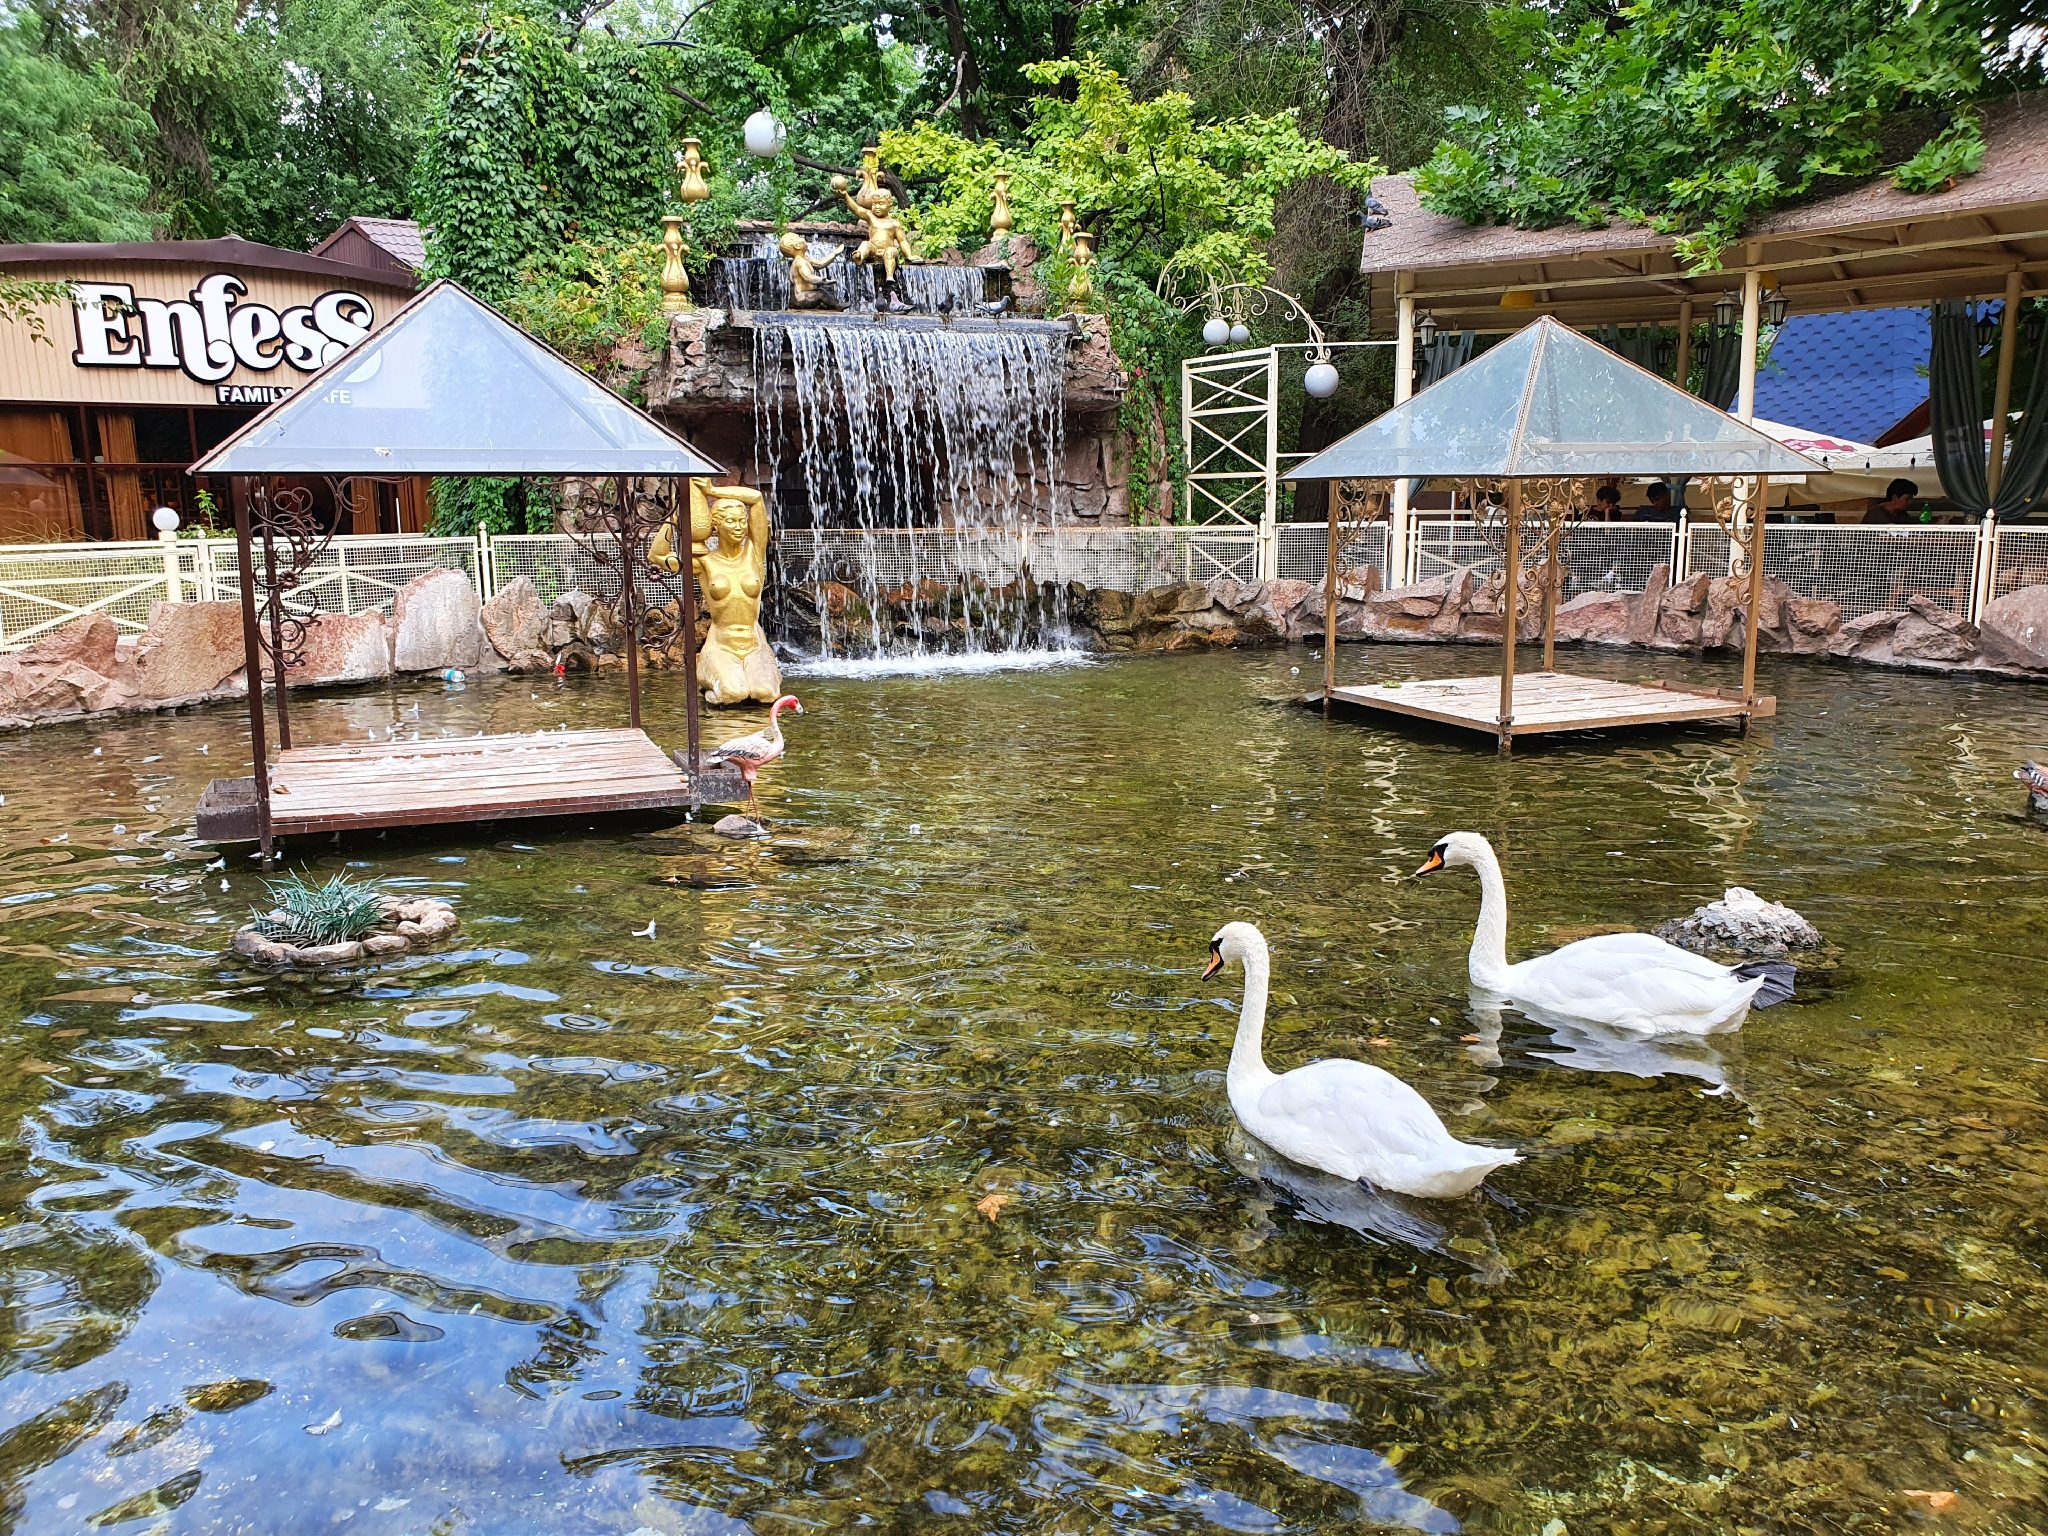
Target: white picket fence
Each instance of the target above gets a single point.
(1865, 569)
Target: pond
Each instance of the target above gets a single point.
(880, 1175)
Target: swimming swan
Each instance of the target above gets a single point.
(1341, 1116)
(1631, 981)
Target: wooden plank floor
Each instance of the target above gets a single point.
(1547, 702)
(478, 778)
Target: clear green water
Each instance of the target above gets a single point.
(577, 1230)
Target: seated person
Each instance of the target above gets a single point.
(1658, 508)
(1896, 506)
(1606, 502)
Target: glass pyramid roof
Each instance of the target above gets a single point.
(1548, 401)
(451, 387)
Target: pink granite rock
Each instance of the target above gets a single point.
(2014, 628)
(339, 648)
(437, 621)
(188, 650)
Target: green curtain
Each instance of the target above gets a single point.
(1450, 351)
(1720, 354)
(1955, 387)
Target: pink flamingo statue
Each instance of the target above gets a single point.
(756, 750)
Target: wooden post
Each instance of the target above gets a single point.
(2001, 396)
(629, 622)
(692, 705)
(1398, 573)
(1684, 369)
(1756, 599)
(1550, 582)
(275, 605)
(1330, 603)
(252, 663)
(1752, 326)
(1511, 584)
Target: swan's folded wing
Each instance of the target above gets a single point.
(1350, 1104)
(1624, 975)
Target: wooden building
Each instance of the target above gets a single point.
(162, 351)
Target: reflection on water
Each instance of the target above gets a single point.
(893, 1183)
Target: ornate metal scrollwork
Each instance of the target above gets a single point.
(1363, 501)
(293, 540)
(1732, 511)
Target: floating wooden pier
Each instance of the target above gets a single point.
(1549, 702)
(359, 785)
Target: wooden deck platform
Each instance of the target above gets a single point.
(1547, 702)
(359, 785)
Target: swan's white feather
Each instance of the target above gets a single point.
(1635, 981)
(1360, 1122)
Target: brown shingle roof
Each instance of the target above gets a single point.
(2015, 173)
(402, 239)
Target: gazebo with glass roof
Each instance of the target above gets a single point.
(1532, 427)
(449, 387)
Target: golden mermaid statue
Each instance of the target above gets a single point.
(729, 553)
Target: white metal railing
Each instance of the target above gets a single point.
(45, 586)
(1865, 569)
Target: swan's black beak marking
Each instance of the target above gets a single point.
(1215, 962)
(1434, 862)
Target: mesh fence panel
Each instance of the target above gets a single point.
(553, 562)
(2022, 560)
(45, 586)
(1597, 557)
(1866, 570)
(353, 574)
(1133, 559)
(1304, 553)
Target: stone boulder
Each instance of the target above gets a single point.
(1642, 622)
(2014, 629)
(1681, 614)
(90, 642)
(1406, 613)
(1742, 923)
(342, 648)
(437, 624)
(514, 618)
(1279, 604)
(1867, 637)
(188, 650)
(30, 692)
(1595, 618)
(1929, 632)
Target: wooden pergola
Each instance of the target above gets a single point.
(449, 388)
(1538, 421)
(1866, 247)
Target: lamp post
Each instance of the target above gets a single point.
(165, 521)
(1231, 306)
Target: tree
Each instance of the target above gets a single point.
(68, 146)
(1696, 115)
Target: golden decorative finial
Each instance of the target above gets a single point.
(675, 277)
(1081, 284)
(691, 162)
(1069, 222)
(999, 221)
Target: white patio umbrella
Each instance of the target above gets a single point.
(1856, 471)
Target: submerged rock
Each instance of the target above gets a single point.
(737, 825)
(1744, 923)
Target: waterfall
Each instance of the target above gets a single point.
(754, 276)
(870, 431)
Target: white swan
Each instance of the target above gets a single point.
(1341, 1116)
(1631, 981)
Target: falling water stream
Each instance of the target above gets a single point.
(757, 279)
(954, 431)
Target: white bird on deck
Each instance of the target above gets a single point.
(1342, 1116)
(756, 750)
(1628, 981)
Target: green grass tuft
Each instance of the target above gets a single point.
(304, 914)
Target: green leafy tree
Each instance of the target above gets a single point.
(68, 146)
(1696, 115)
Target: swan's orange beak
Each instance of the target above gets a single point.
(1433, 863)
(1215, 962)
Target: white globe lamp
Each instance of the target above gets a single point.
(1321, 380)
(165, 520)
(1215, 330)
(764, 135)
(1240, 333)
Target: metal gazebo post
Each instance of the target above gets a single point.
(1330, 610)
(252, 663)
(1558, 513)
(692, 705)
(1511, 584)
(629, 616)
(1756, 600)
(274, 608)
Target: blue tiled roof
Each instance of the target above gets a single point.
(1853, 374)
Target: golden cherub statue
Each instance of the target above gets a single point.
(888, 238)
(729, 555)
(807, 287)
(1081, 283)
